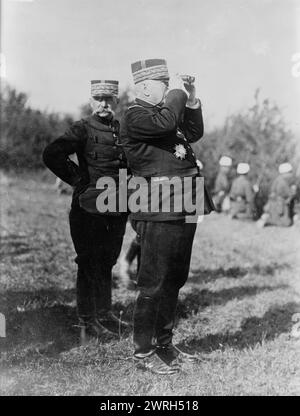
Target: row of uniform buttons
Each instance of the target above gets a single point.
(116, 142)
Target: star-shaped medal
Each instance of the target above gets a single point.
(180, 151)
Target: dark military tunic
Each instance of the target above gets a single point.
(281, 203)
(242, 198)
(151, 136)
(97, 238)
(222, 183)
(95, 141)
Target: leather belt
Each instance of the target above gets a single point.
(186, 172)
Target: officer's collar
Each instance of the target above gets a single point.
(107, 121)
(145, 104)
(103, 123)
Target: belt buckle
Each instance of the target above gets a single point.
(159, 178)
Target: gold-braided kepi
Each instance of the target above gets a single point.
(155, 69)
(104, 88)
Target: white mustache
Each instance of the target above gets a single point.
(101, 109)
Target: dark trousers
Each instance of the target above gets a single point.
(97, 241)
(164, 266)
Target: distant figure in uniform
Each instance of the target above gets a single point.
(156, 132)
(97, 237)
(222, 184)
(242, 195)
(279, 209)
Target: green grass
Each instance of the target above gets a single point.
(235, 310)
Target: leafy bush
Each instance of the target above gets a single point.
(25, 132)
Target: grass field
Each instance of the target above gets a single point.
(235, 311)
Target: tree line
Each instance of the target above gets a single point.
(259, 136)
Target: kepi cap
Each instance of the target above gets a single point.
(104, 87)
(155, 69)
(225, 161)
(243, 168)
(285, 168)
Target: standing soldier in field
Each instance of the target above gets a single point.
(222, 183)
(242, 195)
(97, 238)
(156, 132)
(279, 209)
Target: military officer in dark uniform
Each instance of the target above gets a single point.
(156, 132)
(279, 209)
(97, 237)
(242, 195)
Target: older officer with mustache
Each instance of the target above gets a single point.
(97, 237)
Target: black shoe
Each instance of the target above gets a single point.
(89, 330)
(172, 355)
(155, 365)
(112, 323)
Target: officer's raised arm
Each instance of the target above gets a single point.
(147, 125)
(192, 123)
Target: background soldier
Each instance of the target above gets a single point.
(156, 136)
(97, 238)
(242, 195)
(222, 183)
(279, 209)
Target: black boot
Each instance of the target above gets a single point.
(88, 330)
(155, 364)
(110, 323)
(172, 355)
(144, 319)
